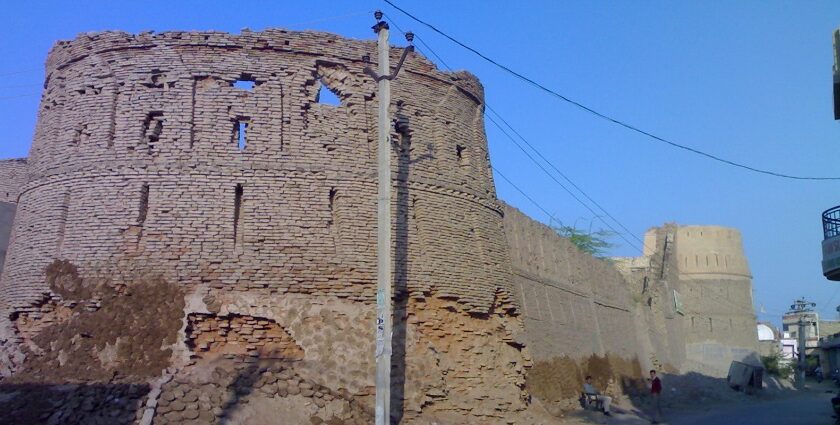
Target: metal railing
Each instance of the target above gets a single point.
(831, 222)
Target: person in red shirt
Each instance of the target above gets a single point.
(655, 392)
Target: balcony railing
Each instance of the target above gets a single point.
(831, 222)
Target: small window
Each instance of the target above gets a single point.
(326, 96)
(152, 129)
(245, 84)
(144, 205)
(240, 132)
(237, 213)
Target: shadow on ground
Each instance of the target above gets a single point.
(681, 393)
(71, 403)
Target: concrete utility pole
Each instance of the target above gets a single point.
(384, 325)
(802, 308)
(800, 375)
(383, 243)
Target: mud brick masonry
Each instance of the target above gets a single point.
(205, 165)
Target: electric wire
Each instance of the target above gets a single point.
(559, 183)
(550, 215)
(433, 53)
(604, 115)
(620, 234)
(550, 164)
(736, 307)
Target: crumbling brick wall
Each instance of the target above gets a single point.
(205, 159)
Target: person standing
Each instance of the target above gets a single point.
(655, 394)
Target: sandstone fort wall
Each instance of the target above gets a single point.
(205, 164)
(578, 313)
(138, 169)
(135, 157)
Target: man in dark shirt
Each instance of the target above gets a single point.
(655, 392)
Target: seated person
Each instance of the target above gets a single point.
(604, 399)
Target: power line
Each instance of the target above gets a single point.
(737, 308)
(551, 216)
(603, 115)
(564, 176)
(620, 234)
(420, 40)
(575, 197)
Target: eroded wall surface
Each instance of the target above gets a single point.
(685, 307)
(153, 157)
(579, 315)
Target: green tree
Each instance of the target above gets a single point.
(593, 243)
(776, 365)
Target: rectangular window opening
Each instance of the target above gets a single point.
(240, 133)
(237, 213)
(152, 129)
(332, 219)
(144, 205)
(246, 84)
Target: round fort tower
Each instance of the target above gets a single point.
(207, 159)
(710, 252)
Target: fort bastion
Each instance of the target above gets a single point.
(194, 234)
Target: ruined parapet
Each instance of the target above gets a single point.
(206, 159)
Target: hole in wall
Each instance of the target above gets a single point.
(81, 135)
(245, 82)
(326, 95)
(460, 152)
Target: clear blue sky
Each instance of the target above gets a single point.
(746, 80)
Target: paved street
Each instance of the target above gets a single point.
(809, 408)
